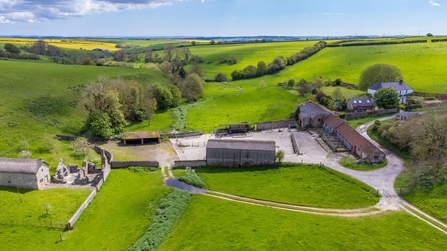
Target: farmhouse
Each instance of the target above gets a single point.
(141, 137)
(360, 104)
(24, 173)
(352, 140)
(402, 89)
(221, 152)
(311, 114)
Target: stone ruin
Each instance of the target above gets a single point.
(61, 173)
(73, 174)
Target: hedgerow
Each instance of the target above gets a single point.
(168, 212)
(192, 179)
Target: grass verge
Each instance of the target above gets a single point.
(349, 163)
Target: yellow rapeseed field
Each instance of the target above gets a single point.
(63, 43)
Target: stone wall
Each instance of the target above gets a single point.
(358, 115)
(22, 180)
(183, 134)
(189, 163)
(123, 164)
(81, 209)
(296, 147)
(65, 137)
(275, 124)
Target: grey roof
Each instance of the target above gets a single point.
(259, 145)
(310, 109)
(9, 165)
(362, 102)
(398, 86)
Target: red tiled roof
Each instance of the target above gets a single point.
(355, 139)
(333, 121)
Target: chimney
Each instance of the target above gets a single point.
(401, 81)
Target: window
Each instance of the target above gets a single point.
(41, 180)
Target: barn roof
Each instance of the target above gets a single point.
(141, 135)
(333, 121)
(258, 145)
(310, 109)
(10, 165)
(355, 139)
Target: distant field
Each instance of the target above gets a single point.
(422, 64)
(120, 213)
(248, 54)
(214, 224)
(151, 42)
(63, 43)
(301, 185)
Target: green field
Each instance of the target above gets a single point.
(301, 185)
(61, 204)
(117, 217)
(214, 224)
(422, 64)
(248, 54)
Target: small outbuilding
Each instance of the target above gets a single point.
(152, 137)
(225, 152)
(24, 173)
(406, 115)
(311, 114)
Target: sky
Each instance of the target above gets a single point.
(222, 17)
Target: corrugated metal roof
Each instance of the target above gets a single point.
(10, 165)
(259, 145)
(141, 135)
(310, 109)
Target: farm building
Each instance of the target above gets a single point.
(240, 152)
(406, 115)
(402, 89)
(24, 173)
(352, 140)
(237, 128)
(311, 114)
(360, 104)
(152, 137)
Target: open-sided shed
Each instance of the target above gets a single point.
(237, 128)
(152, 137)
(225, 152)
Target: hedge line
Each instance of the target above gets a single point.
(340, 44)
(168, 212)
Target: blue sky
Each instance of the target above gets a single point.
(222, 17)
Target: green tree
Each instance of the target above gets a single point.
(193, 43)
(262, 68)
(192, 87)
(337, 94)
(379, 73)
(11, 48)
(279, 156)
(387, 98)
(221, 77)
(87, 61)
(291, 83)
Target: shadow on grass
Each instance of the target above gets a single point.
(15, 189)
(224, 169)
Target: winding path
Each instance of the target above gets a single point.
(381, 179)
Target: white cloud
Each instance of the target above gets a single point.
(12, 11)
(434, 3)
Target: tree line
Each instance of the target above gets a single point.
(279, 63)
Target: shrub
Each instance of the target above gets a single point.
(221, 77)
(191, 178)
(167, 213)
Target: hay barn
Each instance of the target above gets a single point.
(221, 152)
(133, 138)
(24, 173)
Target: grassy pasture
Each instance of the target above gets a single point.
(30, 205)
(214, 224)
(68, 43)
(301, 185)
(432, 201)
(43, 97)
(120, 214)
(248, 54)
(422, 64)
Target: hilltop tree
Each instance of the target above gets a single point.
(387, 98)
(379, 73)
(429, 34)
(11, 48)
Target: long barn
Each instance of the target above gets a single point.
(221, 152)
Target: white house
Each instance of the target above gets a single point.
(24, 173)
(402, 89)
